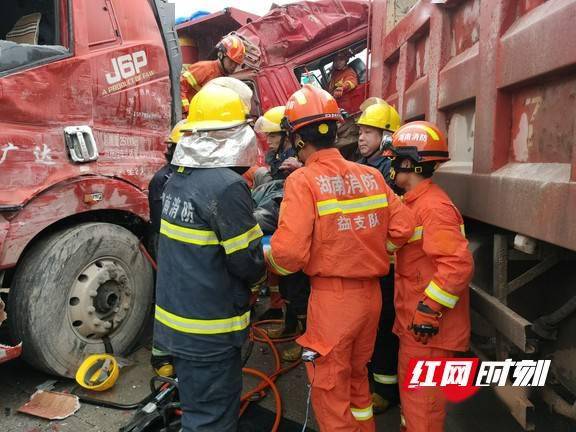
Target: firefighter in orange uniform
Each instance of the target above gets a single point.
(344, 78)
(337, 222)
(231, 51)
(433, 272)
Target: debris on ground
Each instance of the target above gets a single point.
(7, 352)
(47, 385)
(51, 405)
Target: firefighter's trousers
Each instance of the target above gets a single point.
(423, 408)
(342, 324)
(210, 394)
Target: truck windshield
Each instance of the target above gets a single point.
(32, 32)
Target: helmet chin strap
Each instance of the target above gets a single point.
(298, 145)
(425, 169)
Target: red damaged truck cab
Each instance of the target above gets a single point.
(88, 92)
(290, 45)
(296, 43)
(86, 101)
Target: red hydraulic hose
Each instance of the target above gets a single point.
(269, 382)
(274, 389)
(148, 256)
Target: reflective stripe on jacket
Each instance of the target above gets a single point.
(195, 76)
(435, 263)
(209, 256)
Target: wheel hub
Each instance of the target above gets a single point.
(107, 297)
(100, 299)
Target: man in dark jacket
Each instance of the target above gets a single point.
(377, 123)
(209, 256)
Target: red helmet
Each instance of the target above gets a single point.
(310, 105)
(420, 141)
(233, 48)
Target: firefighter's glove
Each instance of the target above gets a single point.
(426, 323)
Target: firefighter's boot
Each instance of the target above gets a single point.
(381, 404)
(289, 328)
(294, 351)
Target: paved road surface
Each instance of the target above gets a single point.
(482, 413)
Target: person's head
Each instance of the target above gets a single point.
(173, 139)
(315, 136)
(270, 124)
(231, 52)
(241, 88)
(216, 133)
(311, 119)
(341, 59)
(418, 149)
(376, 122)
(228, 65)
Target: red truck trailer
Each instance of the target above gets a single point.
(499, 77)
(88, 92)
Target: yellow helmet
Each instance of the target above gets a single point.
(270, 121)
(98, 372)
(213, 108)
(380, 115)
(176, 133)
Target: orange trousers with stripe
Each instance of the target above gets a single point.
(343, 319)
(424, 408)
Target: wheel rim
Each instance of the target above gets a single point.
(101, 298)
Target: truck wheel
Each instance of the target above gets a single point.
(76, 287)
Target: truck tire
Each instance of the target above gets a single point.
(73, 289)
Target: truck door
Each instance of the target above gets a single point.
(131, 88)
(37, 49)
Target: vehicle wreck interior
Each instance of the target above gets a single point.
(32, 32)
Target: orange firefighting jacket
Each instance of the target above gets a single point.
(338, 219)
(435, 263)
(195, 76)
(346, 78)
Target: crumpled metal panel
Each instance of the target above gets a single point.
(294, 28)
